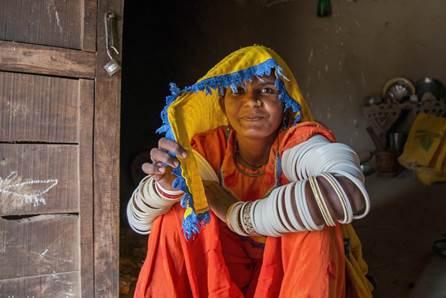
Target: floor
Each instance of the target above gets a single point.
(397, 236)
(133, 251)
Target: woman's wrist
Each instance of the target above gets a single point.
(167, 194)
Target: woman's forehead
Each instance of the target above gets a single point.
(264, 79)
(260, 80)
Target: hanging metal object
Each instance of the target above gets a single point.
(324, 8)
(112, 66)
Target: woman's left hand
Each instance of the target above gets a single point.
(218, 199)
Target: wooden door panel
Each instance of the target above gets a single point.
(33, 162)
(61, 23)
(43, 248)
(38, 108)
(41, 244)
(59, 119)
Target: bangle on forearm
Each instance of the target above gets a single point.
(320, 200)
(168, 194)
(153, 198)
(234, 218)
(358, 183)
(342, 197)
(247, 218)
(307, 219)
(145, 205)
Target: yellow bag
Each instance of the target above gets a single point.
(425, 150)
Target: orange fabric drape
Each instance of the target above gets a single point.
(219, 263)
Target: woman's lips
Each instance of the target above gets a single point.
(252, 118)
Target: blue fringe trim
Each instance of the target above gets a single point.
(193, 222)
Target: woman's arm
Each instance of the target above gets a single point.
(317, 156)
(326, 186)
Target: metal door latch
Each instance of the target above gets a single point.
(112, 66)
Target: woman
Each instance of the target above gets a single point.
(277, 187)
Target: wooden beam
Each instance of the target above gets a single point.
(106, 162)
(86, 92)
(22, 57)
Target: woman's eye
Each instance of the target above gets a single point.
(239, 90)
(268, 90)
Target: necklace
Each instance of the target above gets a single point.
(256, 169)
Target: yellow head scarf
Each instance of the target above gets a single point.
(196, 109)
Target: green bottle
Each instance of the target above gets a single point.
(323, 8)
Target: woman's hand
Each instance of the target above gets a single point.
(162, 163)
(218, 199)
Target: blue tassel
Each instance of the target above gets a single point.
(174, 90)
(193, 222)
(190, 226)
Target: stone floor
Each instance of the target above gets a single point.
(397, 236)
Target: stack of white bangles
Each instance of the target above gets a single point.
(278, 213)
(148, 201)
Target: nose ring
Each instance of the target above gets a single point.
(258, 103)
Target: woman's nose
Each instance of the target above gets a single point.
(251, 98)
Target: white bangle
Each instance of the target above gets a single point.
(152, 197)
(233, 216)
(361, 188)
(169, 192)
(306, 211)
(320, 201)
(282, 207)
(293, 208)
(246, 218)
(342, 196)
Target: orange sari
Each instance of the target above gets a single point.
(219, 263)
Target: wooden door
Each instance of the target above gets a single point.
(59, 154)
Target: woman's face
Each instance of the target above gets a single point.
(254, 111)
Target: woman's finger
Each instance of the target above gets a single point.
(172, 147)
(152, 169)
(158, 155)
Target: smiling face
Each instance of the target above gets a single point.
(254, 111)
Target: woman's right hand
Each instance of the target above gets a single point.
(162, 163)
